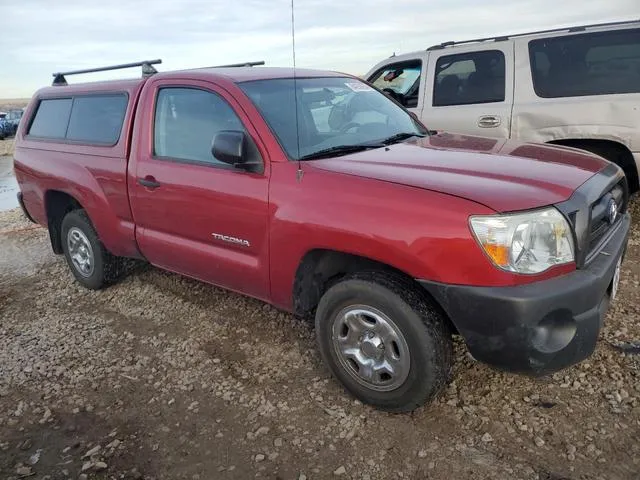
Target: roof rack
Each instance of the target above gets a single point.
(245, 64)
(502, 38)
(147, 70)
(232, 65)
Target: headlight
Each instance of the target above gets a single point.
(529, 242)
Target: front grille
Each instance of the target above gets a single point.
(600, 219)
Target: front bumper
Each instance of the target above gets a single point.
(541, 327)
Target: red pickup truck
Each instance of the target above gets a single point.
(317, 193)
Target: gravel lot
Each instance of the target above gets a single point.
(161, 377)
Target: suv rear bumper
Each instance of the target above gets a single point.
(541, 327)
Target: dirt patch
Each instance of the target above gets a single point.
(200, 383)
(6, 146)
(62, 443)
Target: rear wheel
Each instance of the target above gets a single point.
(384, 341)
(90, 262)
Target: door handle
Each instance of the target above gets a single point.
(149, 182)
(489, 121)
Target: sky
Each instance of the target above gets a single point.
(43, 36)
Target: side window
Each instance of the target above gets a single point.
(586, 64)
(94, 119)
(469, 78)
(51, 119)
(400, 81)
(97, 119)
(186, 122)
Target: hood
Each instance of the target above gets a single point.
(502, 175)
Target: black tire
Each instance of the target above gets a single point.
(616, 154)
(106, 267)
(426, 334)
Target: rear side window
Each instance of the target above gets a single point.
(97, 119)
(52, 118)
(586, 64)
(88, 119)
(469, 78)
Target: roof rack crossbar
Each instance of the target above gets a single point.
(500, 38)
(231, 65)
(147, 70)
(245, 64)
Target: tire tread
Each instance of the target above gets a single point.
(112, 266)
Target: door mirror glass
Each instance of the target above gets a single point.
(236, 148)
(229, 147)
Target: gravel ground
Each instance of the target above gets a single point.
(161, 377)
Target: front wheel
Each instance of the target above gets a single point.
(384, 341)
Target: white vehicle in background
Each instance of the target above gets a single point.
(577, 86)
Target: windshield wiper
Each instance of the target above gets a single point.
(398, 137)
(341, 150)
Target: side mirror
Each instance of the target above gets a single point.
(236, 148)
(228, 147)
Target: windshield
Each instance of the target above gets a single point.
(335, 114)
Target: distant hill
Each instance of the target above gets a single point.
(10, 103)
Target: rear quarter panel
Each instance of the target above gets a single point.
(606, 117)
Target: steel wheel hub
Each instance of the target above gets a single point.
(371, 348)
(80, 252)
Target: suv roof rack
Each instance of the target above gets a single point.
(147, 70)
(502, 38)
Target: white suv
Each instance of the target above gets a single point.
(576, 86)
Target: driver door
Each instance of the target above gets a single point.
(196, 215)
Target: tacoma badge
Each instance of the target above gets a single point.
(227, 238)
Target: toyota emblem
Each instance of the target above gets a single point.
(612, 211)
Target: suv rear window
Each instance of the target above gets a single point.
(92, 119)
(586, 64)
(469, 78)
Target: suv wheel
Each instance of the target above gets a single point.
(90, 262)
(382, 339)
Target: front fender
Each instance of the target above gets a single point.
(422, 233)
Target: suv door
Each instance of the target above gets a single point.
(403, 80)
(470, 90)
(196, 215)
